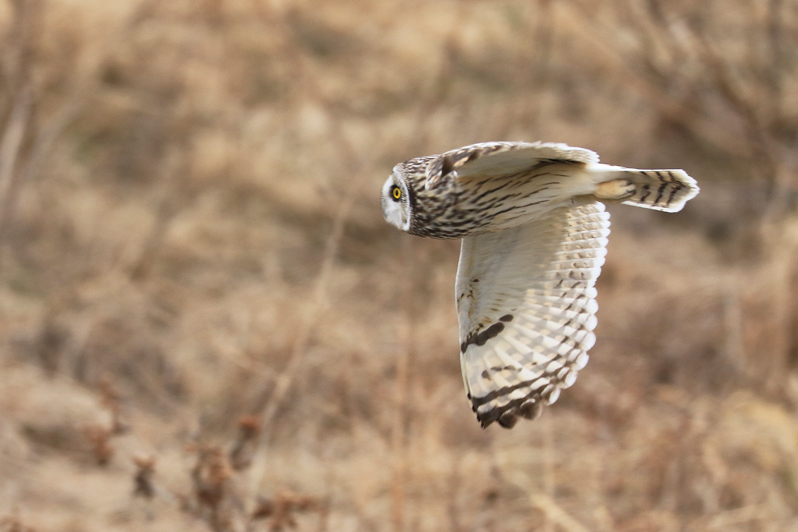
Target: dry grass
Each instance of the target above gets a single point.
(206, 325)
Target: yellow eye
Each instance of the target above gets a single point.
(396, 192)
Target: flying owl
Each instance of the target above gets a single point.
(534, 236)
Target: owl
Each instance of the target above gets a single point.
(534, 235)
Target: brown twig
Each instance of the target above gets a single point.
(168, 206)
(109, 398)
(282, 509)
(100, 438)
(10, 147)
(285, 379)
(245, 445)
(210, 477)
(142, 480)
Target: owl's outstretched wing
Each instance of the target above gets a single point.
(502, 158)
(526, 306)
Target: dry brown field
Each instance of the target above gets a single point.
(206, 325)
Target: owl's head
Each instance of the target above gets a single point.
(396, 204)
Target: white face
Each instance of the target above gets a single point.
(395, 204)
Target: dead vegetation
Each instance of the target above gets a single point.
(198, 292)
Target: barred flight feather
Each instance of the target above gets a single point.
(543, 277)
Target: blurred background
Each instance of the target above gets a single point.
(205, 323)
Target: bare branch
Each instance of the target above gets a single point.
(11, 144)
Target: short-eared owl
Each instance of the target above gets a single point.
(534, 235)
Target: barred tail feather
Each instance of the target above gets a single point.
(662, 190)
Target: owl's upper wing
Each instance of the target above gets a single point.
(526, 305)
(502, 158)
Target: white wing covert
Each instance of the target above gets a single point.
(526, 307)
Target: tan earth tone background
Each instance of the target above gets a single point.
(205, 324)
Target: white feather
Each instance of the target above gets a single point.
(533, 274)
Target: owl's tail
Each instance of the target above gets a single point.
(662, 190)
